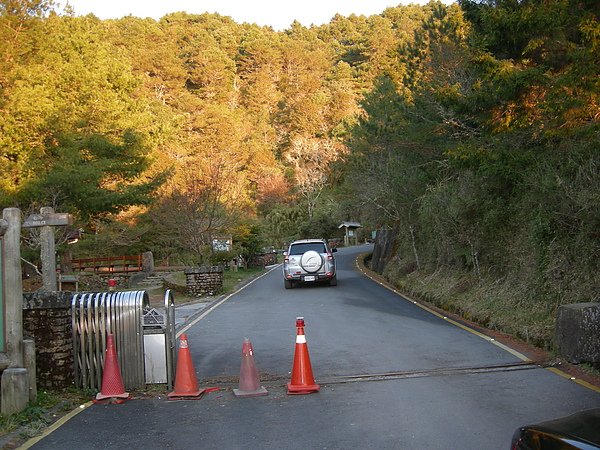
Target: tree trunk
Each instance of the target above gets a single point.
(414, 246)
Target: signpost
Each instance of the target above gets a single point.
(46, 220)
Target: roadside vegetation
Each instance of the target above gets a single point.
(232, 280)
(492, 303)
(47, 409)
(471, 130)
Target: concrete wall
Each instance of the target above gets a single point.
(47, 320)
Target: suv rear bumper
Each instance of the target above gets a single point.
(303, 276)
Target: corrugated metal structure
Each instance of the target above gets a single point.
(123, 314)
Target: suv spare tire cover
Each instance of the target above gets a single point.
(311, 261)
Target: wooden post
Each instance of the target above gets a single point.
(65, 262)
(48, 254)
(13, 287)
(4, 361)
(30, 365)
(14, 384)
(15, 390)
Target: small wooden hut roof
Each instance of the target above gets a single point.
(350, 225)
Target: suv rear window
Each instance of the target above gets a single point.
(299, 249)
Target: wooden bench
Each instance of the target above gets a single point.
(111, 264)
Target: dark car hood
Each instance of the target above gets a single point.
(584, 425)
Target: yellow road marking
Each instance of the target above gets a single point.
(60, 422)
(572, 378)
(512, 351)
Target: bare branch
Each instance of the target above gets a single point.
(32, 265)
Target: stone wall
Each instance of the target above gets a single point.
(100, 282)
(383, 249)
(201, 281)
(578, 333)
(47, 320)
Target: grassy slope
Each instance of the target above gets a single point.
(494, 304)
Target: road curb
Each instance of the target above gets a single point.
(360, 265)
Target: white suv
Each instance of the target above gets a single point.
(309, 261)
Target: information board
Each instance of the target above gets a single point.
(222, 244)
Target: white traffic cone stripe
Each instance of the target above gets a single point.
(300, 339)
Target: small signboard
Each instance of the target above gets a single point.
(222, 244)
(55, 219)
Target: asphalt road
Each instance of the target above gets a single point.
(392, 375)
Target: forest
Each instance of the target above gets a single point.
(471, 130)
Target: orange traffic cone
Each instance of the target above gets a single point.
(112, 383)
(303, 381)
(249, 380)
(186, 382)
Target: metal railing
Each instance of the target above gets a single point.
(95, 315)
